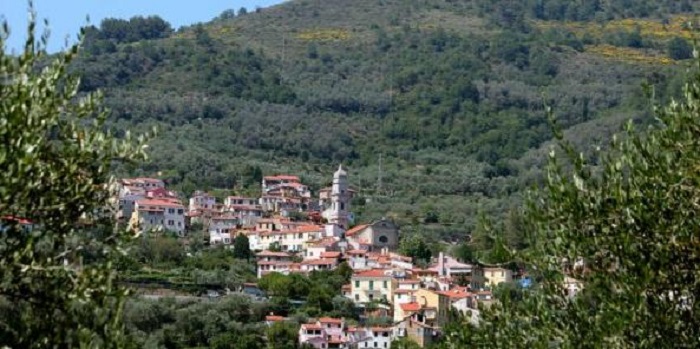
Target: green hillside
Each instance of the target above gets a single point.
(436, 107)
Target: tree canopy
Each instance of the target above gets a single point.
(57, 282)
(631, 216)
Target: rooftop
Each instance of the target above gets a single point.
(267, 253)
(373, 273)
(413, 306)
(356, 229)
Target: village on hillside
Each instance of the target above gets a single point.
(419, 301)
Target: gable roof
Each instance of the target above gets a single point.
(357, 229)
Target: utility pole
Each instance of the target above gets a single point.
(379, 177)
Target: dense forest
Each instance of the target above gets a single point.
(436, 107)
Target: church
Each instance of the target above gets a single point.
(374, 236)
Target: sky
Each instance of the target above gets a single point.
(67, 16)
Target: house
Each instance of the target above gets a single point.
(369, 337)
(460, 299)
(202, 201)
(127, 203)
(447, 266)
(158, 214)
(319, 264)
(222, 229)
(324, 333)
(440, 302)
(272, 318)
(406, 309)
(490, 276)
(143, 182)
(285, 185)
(372, 285)
(160, 193)
(269, 261)
(374, 236)
(417, 329)
(240, 201)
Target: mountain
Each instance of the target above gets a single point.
(437, 107)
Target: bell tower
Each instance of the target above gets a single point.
(340, 203)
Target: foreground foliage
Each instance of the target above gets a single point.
(57, 282)
(631, 217)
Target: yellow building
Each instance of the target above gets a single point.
(436, 305)
(372, 285)
(490, 277)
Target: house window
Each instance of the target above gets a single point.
(342, 206)
(357, 298)
(357, 282)
(383, 239)
(179, 211)
(375, 344)
(385, 284)
(171, 222)
(171, 210)
(385, 344)
(371, 285)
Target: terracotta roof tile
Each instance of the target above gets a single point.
(372, 273)
(330, 320)
(268, 253)
(356, 229)
(413, 306)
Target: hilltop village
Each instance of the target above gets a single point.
(419, 301)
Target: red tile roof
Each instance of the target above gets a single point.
(330, 254)
(274, 318)
(159, 202)
(455, 294)
(374, 273)
(17, 220)
(319, 261)
(408, 282)
(356, 229)
(413, 306)
(268, 253)
(330, 320)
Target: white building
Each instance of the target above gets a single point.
(158, 214)
(202, 201)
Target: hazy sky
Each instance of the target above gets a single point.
(67, 16)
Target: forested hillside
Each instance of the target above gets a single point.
(435, 106)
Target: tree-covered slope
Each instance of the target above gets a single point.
(436, 107)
